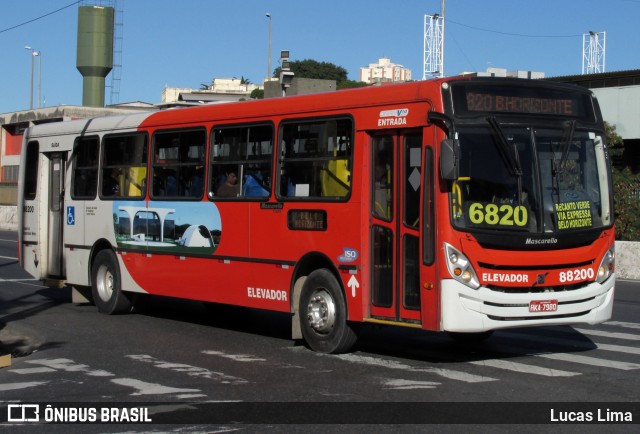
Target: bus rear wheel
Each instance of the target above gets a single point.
(323, 314)
(105, 284)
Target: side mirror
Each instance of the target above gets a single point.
(449, 163)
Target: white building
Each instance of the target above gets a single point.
(221, 90)
(384, 71)
(502, 72)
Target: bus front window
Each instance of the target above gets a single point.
(528, 179)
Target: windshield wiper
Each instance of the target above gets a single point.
(511, 158)
(566, 146)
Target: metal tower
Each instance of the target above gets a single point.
(433, 46)
(593, 52)
(116, 72)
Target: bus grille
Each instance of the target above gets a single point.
(538, 289)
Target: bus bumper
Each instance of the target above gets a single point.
(470, 310)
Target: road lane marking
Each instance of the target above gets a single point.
(612, 335)
(194, 371)
(17, 386)
(523, 368)
(144, 388)
(629, 325)
(235, 357)
(28, 371)
(592, 361)
(576, 343)
(400, 384)
(391, 364)
(69, 365)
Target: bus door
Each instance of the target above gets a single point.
(56, 216)
(397, 184)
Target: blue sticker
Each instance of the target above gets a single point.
(349, 255)
(71, 215)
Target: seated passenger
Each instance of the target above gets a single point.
(230, 188)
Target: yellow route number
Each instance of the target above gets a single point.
(494, 214)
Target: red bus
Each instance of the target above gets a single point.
(463, 205)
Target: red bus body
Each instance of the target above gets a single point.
(325, 248)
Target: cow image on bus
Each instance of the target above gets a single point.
(463, 205)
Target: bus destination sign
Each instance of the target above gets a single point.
(473, 100)
(491, 102)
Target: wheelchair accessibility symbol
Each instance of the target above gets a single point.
(71, 215)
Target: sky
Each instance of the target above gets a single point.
(187, 43)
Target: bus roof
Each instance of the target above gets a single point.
(300, 105)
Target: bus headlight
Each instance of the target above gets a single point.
(459, 267)
(607, 266)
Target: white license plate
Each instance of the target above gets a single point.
(543, 306)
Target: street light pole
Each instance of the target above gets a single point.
(32, 51)
(39, 54)
(268, 15)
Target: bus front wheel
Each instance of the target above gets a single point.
(105, 284)
(323, 314)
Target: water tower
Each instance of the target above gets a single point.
(95, 51)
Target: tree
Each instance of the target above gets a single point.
(257, 94)
(626, 189)
(350, 84)
(309, 68)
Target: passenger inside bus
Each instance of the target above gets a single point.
(111, 183)
(230, 187)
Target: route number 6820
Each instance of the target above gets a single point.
(498, 214)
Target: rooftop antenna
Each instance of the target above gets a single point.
(434, 45)
(593, 52)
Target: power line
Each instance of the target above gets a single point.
(40, 17)
(521, 35)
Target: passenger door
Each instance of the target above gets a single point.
(56, 214)
(396, 203)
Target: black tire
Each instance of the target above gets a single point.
(105, 284)
(323, 314)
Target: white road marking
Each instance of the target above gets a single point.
(629, 325)
(400, 384)
(523, 368)
(391, 364)
(235, 357)
(144, 388)
(592, 361)
(575, 343)
(32, 370)
(193, 371)
(613, 335)
(70, 366)
(16, 386)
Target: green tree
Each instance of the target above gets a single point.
(309, 68)
(350, 84)
(626, 189)
(257, 94)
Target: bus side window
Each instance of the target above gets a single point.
(241, 162)
(124, 166)
(178, 164)
(316, 159)
(85, 168)
(31, 170)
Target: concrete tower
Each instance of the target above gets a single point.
(95, 51)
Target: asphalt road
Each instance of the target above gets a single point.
(228, 364)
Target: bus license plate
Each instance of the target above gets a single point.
(543, 306)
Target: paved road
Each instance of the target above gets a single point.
(181, 353)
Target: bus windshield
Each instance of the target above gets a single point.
(530, 179)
